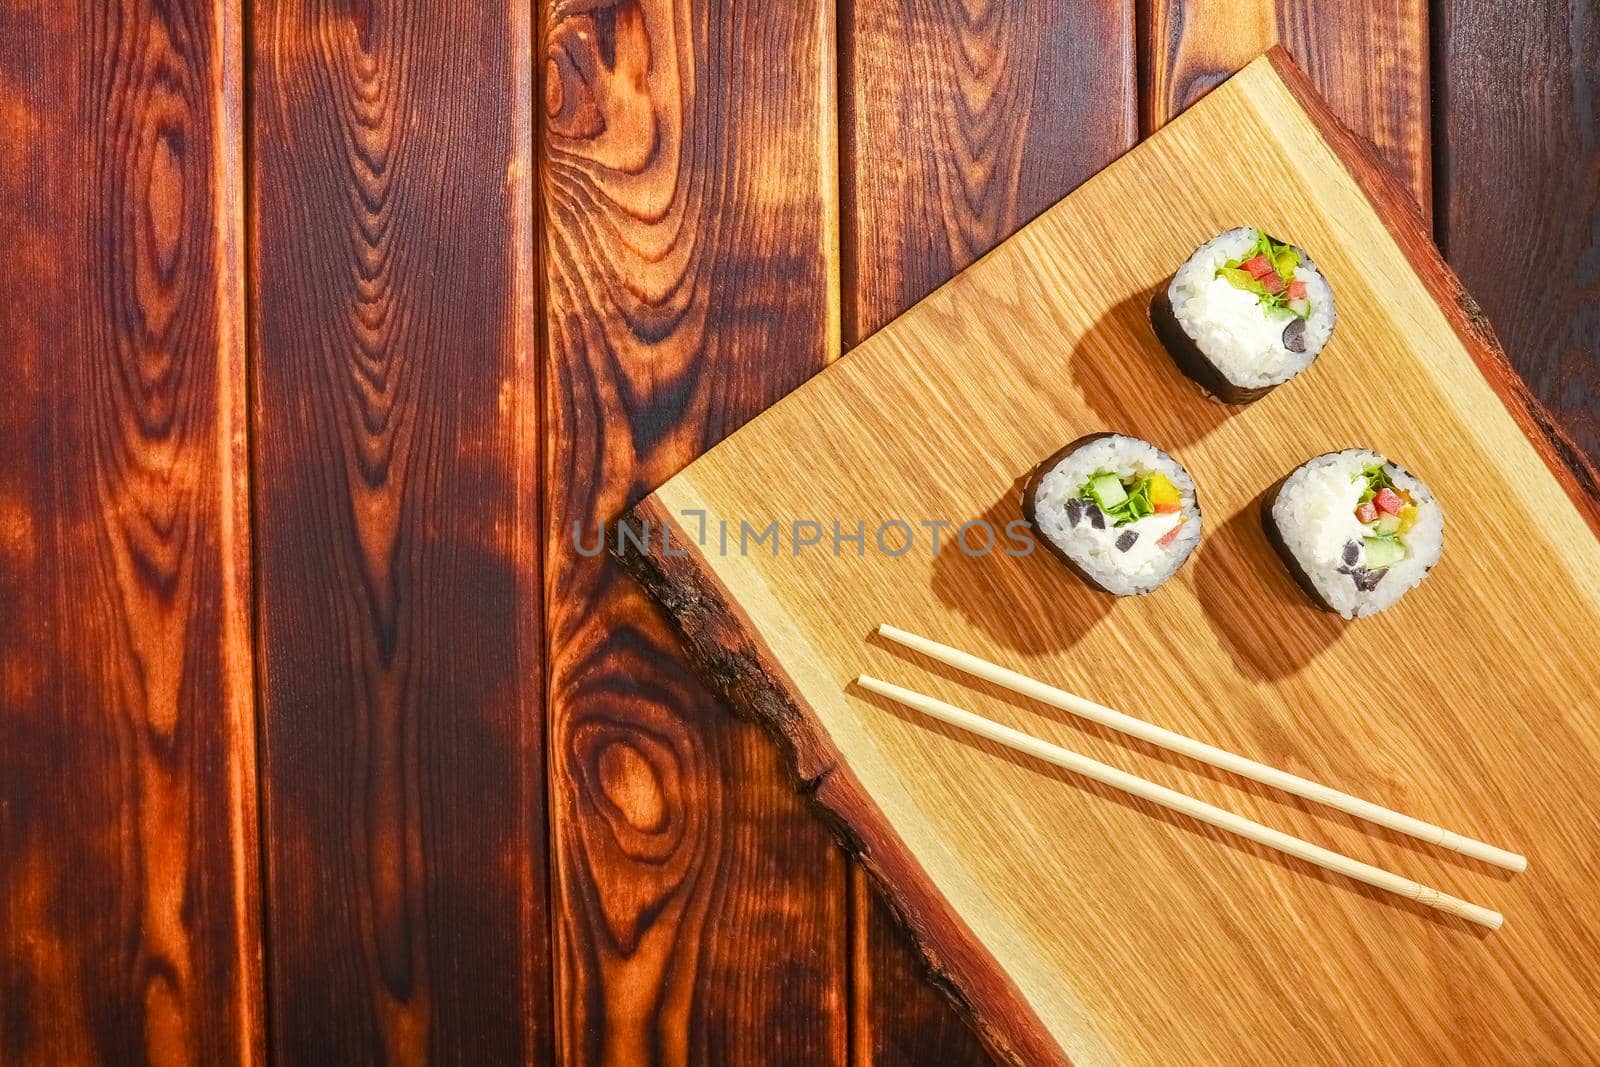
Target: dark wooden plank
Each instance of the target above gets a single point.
(690, 226)
(396, 451)
(1368, 58)
(128, 883)
(959, 124)
(898, 1015)
(1519, 189)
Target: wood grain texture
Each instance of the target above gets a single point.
(1519, 188)
(689, 186)
(1368, 58)
(959, 122)
(1116, 950)
(128, 901)
(397, 452)
(899, 1016)
(726, 646)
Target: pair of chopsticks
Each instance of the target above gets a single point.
(1181, 802)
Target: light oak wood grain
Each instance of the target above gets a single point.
(1076, 925)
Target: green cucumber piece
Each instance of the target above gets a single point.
(1383, 552)
(1107, 491)
(1388, 525)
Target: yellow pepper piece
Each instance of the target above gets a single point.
(1408, 518)
(1163, 494)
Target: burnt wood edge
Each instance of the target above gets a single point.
(1403, 218)
(724, 646)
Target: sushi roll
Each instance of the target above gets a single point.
(1356, 530)
(1117, 510)
(1244, 314)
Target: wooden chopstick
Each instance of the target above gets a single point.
(1183, 803)
(1199, 750)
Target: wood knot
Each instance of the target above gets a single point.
(630, 783)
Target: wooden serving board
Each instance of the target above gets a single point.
(1073, 924)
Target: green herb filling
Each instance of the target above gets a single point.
(1135, 507)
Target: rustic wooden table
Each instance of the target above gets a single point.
(323, 323)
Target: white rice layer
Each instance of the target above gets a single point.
(1315, 513)
(1144, 565)
(1240, 336)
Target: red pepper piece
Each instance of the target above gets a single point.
(1271, 282)
(1367, 512)
(1297, 290)
(1388, 501)
(1258, 265)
